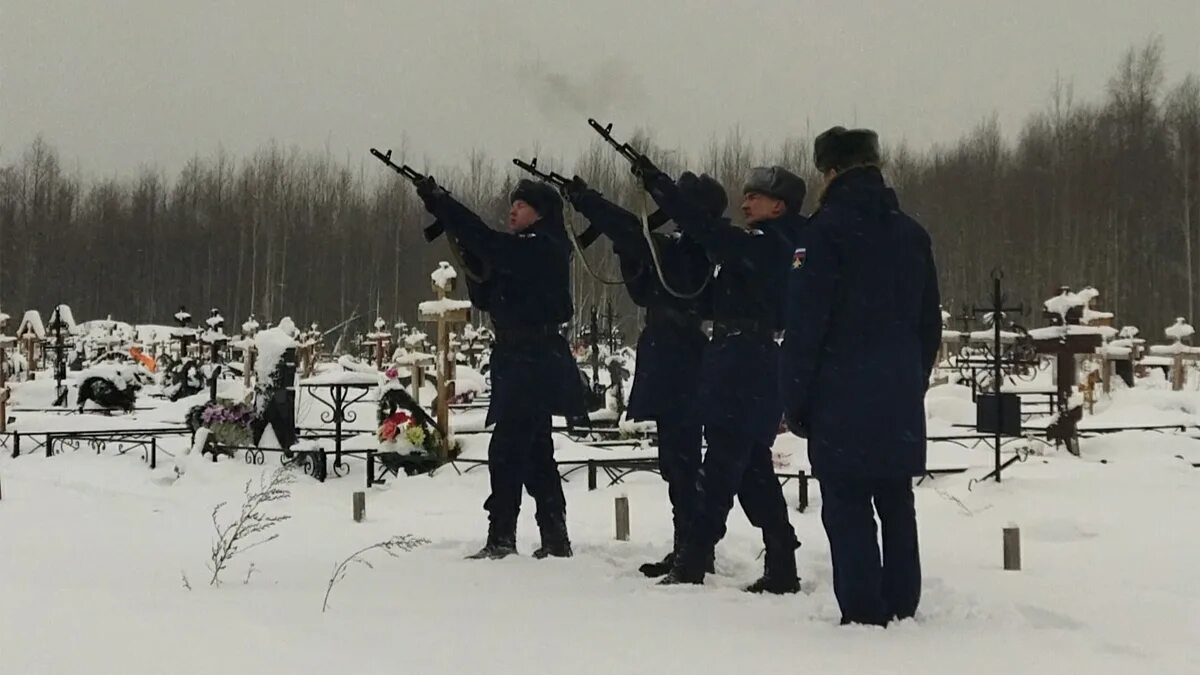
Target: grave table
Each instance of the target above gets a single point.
(344, 390)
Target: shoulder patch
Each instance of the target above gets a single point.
(798, 258)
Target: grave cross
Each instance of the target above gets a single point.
(446, 313)
(998, 310)
(60, 360)
(1065, 346)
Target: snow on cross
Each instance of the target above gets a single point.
(444, 276)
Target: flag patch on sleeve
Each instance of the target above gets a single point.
(798, 258)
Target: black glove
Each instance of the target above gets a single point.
(429, 191)
(644, 169)
(573, 189)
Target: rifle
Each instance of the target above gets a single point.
(436, 229)
(633, 156)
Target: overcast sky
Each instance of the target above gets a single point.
(119, 83)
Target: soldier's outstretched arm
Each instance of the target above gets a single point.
(812, 287)
(466, 227)
(619, 225)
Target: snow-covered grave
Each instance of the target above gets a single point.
(1107, 586)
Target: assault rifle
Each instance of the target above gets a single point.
(433, 231)
(477, 270)
(634, 157)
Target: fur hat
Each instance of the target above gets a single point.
(777, 182)
(839, 148)
(543, 198)
(705, 190)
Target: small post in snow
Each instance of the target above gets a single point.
(1012, 548)
(622, 513)
(360, 506)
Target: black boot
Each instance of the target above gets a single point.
(498, 545)
(664, 566)
(660, 568)
(779, 569)
(691, 564)
(555, 542)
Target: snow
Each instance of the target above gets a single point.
(1061, 304)
(214, 320)
(32, 322)
(1087, 295)
(120, 375)
(104, 543)
(348, 362)
(1054, 332)
(182, 316)
(349, 377)
(1173, 349)
(250, 326)
(442, 307)
(1181, 330)
(64, 314)
(444, 276)
(271, 345)
(4, 317)
(415, 339)
(409, 358)
(951, 336)
(990, 336)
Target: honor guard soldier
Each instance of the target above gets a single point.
(739, 393)
(672, 284)
(528, 295)
(863, 330)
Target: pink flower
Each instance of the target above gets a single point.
(387, 432)
(399, 417)
(392, 373)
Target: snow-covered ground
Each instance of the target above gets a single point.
(96, 546)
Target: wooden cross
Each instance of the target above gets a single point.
(1065, 348)
(446, 318)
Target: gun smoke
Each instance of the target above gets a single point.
(609, 86)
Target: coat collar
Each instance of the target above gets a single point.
(860, 187)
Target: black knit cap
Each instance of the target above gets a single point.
(839, 148)
(777, 182)
(543, 198)
(706, 191)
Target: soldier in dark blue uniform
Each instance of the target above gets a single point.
(528, 294)
(739, 395)
(670, 348)
(863, 328)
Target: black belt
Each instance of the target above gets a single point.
(522, 333)
(747, 327)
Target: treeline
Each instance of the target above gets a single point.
(1104, 193)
